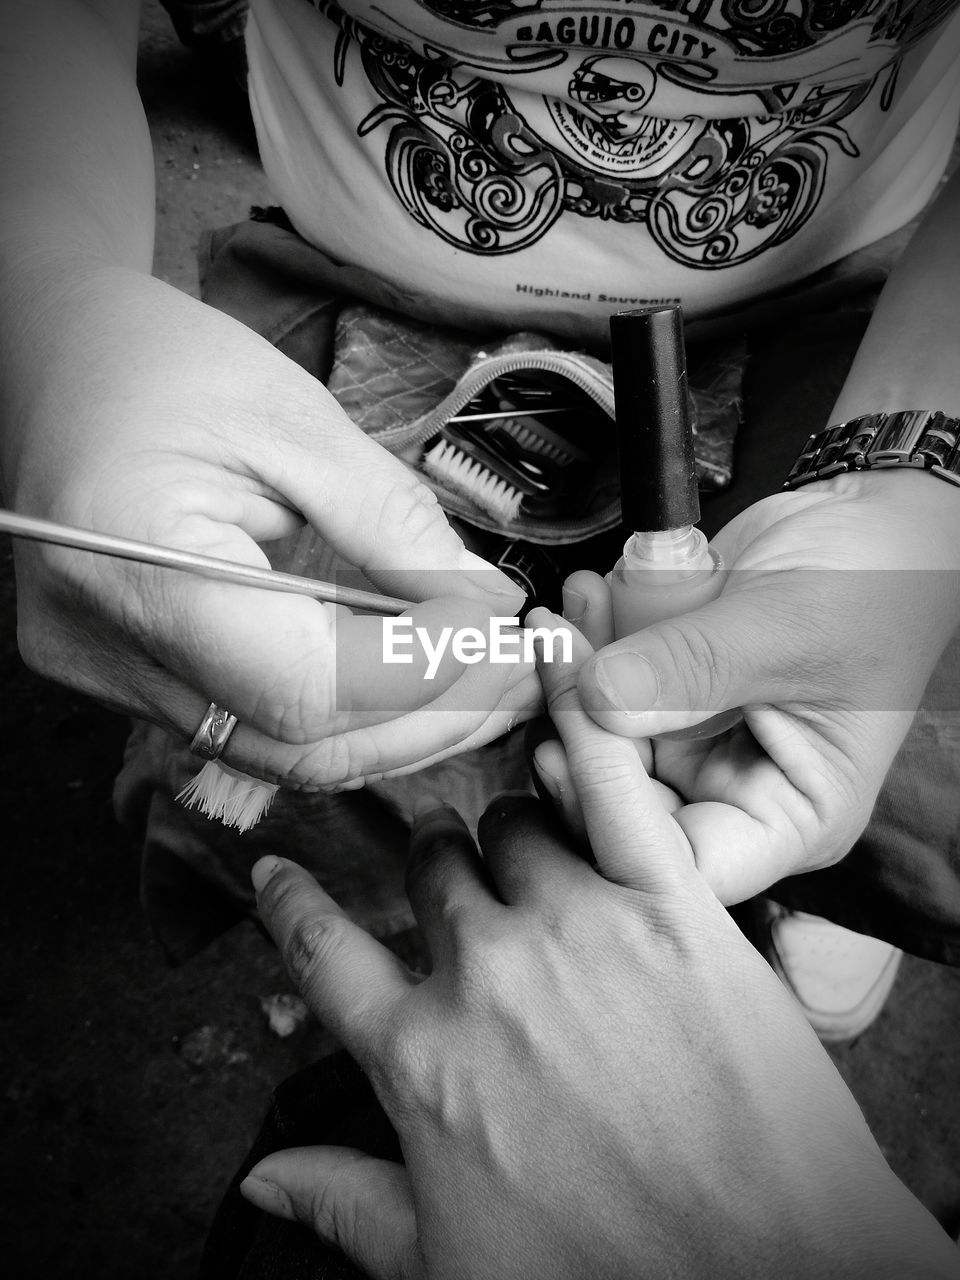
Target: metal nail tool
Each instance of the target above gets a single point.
(106, 544)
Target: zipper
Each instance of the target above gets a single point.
(582, 375)
(576, 370)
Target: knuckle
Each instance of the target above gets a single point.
(488, 970)
(560, 686)
(701, 662)
(610, 762)
(336, 761)
(402, 1057)
(335, 1215)
(410, 514)
(297, 706)
(311, 946)
(429, 853)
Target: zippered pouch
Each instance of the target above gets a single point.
(402, 382)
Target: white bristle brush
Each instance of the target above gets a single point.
(228, 796)
(451, 466)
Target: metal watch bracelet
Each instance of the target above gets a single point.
(922, 439)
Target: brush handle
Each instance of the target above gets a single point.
(65, 535)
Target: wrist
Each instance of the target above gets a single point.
(923, 508)
(57, 362)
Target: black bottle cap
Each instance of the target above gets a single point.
(658, 477)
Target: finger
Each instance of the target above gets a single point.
(634, 840)
(347, 978)
(283, 665)
(553, 771)
(391, 664)
(774, 829)
(588, 605)
(361, 1205)
(529, 856)
(340, 475)
(297, 670)
(447, 885)
(455, 722)
(761, 641)
(483, 702)
(519, 704)
(550, 767)
(737, 857)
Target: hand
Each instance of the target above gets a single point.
(177, 425)
(840, 600)
(599, 1078)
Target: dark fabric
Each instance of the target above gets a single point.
(331, 1103)
(208, 23)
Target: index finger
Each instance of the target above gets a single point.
(346, 977)
(634, 839)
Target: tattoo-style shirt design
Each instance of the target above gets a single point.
(711, 122)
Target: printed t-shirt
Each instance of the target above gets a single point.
(517, 158)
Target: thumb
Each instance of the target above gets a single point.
(735, 651)
(362, 1206)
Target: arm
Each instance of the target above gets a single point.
(132, 408)
(907, 359)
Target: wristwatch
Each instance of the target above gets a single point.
(917, 438)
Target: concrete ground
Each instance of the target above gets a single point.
(131, 1091)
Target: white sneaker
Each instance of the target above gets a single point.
(840, 978)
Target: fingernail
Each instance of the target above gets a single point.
(266, 1195)
(432, 820)
(263, 871)
(550, 781)
(628, 681)
(483, 574)
(504, 806)
(574, 605)
(429, 809)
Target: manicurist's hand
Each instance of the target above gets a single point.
(599, 1077)
(132, 409)
(839, 601)
(176, 425)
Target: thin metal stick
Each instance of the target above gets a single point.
(107, 544)
(511, 413)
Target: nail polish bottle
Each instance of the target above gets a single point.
(667, 567)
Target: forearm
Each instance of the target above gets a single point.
(910, 354)
(75, 150)
(910, 359)
(78, 191)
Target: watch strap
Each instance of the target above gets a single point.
(917, 438)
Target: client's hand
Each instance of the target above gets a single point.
(599, 1078)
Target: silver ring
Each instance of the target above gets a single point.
(214, 731)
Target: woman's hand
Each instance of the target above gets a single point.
(839, 601)
(599, 1078)
(161, 419)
